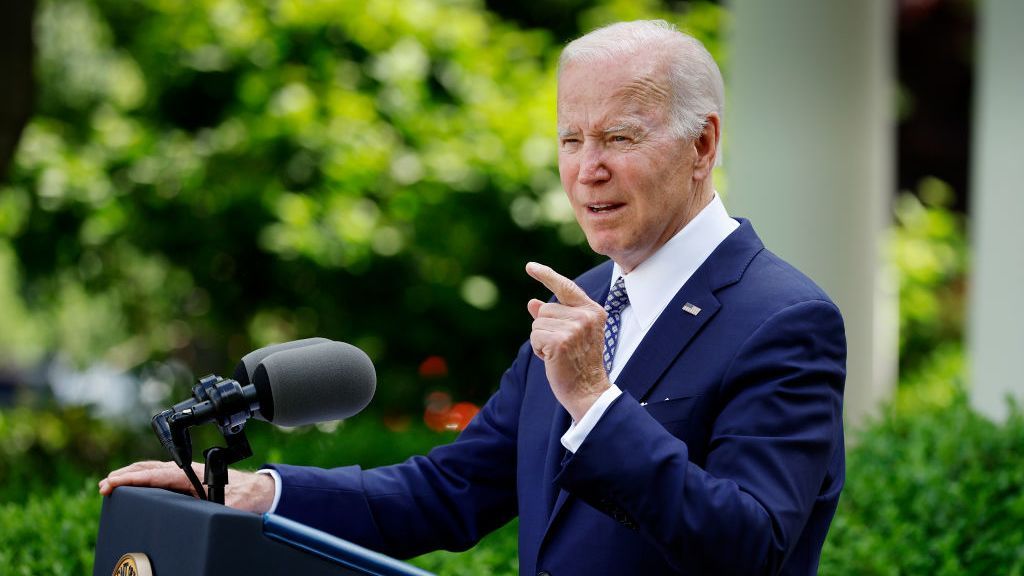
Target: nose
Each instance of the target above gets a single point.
(592, 166)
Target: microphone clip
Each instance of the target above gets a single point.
(214, 399)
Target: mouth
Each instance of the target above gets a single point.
(604, 207)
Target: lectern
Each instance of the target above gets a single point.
(182, 535)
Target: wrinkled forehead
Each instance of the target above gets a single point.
(630, 86)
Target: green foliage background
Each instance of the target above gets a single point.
(201, 178)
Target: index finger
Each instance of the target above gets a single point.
(564, 289)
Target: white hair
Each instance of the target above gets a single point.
(695, 81)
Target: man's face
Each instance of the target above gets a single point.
(630, 182)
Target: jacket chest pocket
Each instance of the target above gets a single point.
(677, 416)
(672, 410)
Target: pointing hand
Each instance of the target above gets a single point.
(568, 336)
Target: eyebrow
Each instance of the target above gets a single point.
(621, 127)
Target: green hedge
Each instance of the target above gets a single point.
(935, 492)
(938, 492)
(51, 534)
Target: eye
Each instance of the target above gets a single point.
(619, 138)
(570, 142)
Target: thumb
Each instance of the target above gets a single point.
(534, 307)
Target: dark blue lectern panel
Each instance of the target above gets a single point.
(182, 535)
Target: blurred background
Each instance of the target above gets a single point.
(183, 182)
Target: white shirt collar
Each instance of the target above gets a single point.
(653, 284)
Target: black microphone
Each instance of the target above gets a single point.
(247, 365)
(289, 384)
(318, 382)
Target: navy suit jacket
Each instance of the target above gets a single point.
(723, 455)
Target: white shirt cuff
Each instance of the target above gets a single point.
(277, 486)
(578, 431)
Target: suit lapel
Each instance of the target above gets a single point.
(669, 335)
(691, 308)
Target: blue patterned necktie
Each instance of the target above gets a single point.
(617, 300)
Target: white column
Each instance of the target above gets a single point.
(809, 153)
(996, 315)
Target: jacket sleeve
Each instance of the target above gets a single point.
(772, 443)
(448, 499)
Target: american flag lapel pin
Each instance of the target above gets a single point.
(690, 308)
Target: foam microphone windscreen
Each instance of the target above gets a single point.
(316, 383)
(247, 365)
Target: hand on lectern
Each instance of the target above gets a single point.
(245, 490)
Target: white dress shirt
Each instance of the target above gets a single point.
(651, 286)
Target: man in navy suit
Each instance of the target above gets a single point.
(690, 423)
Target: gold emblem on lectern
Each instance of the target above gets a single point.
(133, 564)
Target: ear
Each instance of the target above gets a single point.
(706, 146)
